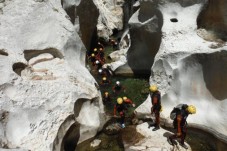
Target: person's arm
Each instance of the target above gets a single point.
(179, 118)
(128, 101)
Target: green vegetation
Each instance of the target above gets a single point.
(136, 89)
(108, 51)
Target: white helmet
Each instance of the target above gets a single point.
(100, 70)
(97, 62)
(118, 83)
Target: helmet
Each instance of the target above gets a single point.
(106, 93)
(118, 83)
(97, 62)
(104, 78)
(95, 49)
(100, 70)
(125, 98)
(191, 109)
(119, 100)
(92, 55)
(153, 88)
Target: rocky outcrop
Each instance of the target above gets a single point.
(110, 18)
(119, 57)
(96, 18)
(153, 141)
(43, 79)
(145, 31)
(188, 69)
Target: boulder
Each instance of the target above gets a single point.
(145, 32)
(43, 100)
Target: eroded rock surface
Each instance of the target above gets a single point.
(153, 141)
(43, 75)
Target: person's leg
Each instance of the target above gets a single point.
(157, 121)
(122, 114)
(183, 138)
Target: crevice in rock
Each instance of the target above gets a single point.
(2, 52)
(71, 11)
(128, 11)
(147, 10)
(174, 20)
(78, 105)
(18, 67)
(71, 138)
(88, 17)
(29, 54)
(58, 144)
(69, 132)
(146, 39)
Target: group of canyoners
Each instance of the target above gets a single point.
(179, 113)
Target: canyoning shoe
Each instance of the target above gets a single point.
(123, 125)
(156, 128)
(170, 141)
(184, 146)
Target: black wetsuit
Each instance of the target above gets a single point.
(180, 123)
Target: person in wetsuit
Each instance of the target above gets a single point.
(156, 105)
(180, 122)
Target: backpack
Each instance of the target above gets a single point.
(176, 110)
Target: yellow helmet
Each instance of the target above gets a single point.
(104, 78)
(119, 100)
(92, 55)
(95, 49)
(106, 93)
(191, 109)
(125, 98)
(153, 88)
